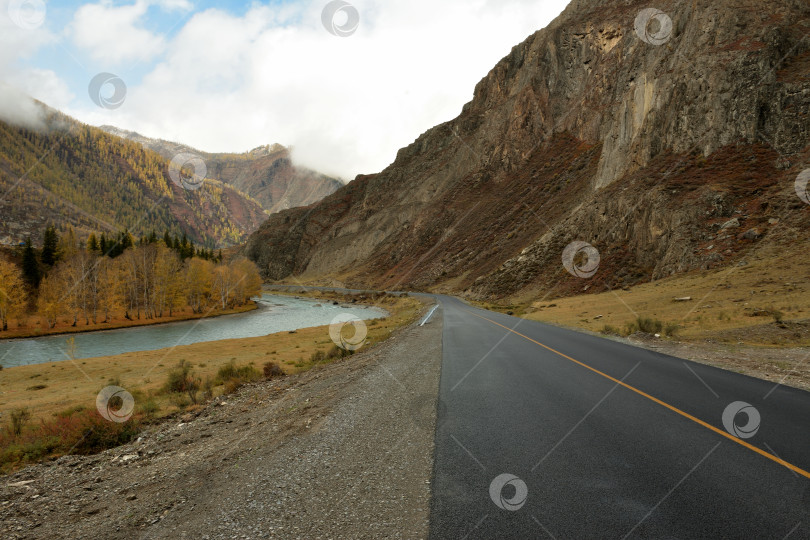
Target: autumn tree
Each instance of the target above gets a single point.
(198, 283)
(235, 283)
(12, 292)
(247, 282)
(110, 287)
(50, 304)
(168, 289)
(149, 280)
(73, 276)
(223, 282)
(68, 244)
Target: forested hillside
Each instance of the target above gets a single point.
(78, 175)
(266, 173)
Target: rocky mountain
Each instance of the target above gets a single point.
(71, 174)
(668, 139)
(265, 173)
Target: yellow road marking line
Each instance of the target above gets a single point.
(672, 408)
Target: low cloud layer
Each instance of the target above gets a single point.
(225, 82)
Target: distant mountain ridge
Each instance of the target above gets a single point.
(266, 173)
(72, 174)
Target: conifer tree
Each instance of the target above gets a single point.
(50, 241)
(92, 244)
(30, 265)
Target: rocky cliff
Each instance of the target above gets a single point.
(669, 139)
(267, 173)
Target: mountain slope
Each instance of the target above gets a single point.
(585, 131)
(265, 173)
(78, 175)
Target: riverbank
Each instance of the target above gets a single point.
(54, 390)
(313, 455)
(63, 328)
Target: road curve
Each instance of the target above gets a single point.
(598, 439)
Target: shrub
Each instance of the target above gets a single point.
(99, 434)
(317, 357)
(192, 388)
(649, 326)
(178, 378)
(208, 388)
(19, 417)
(230, 370)
(149, 407)
(74, 431)
(232, 385)
(610, 330)
(336, 353)
(233, 376)
(271, 370)
(671, 329)
(179, 400)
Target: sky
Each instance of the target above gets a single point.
(345, 84)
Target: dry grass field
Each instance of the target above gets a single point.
(763, 302)
(47, 389)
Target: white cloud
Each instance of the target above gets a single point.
(18, 108)
(346, 104)
(115, 34)
(44, 85)
(21, 36)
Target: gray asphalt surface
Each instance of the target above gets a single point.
(600, 460)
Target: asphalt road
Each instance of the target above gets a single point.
(609, 440)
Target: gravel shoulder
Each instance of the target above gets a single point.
(342, 451)
(789, 366)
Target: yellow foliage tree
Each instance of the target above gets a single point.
(198, 283)
(12, 292)
(50, 304)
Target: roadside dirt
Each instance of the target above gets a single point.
(341, 451)
(787, 366)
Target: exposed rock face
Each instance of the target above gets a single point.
(640, 143)
(265, 173)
